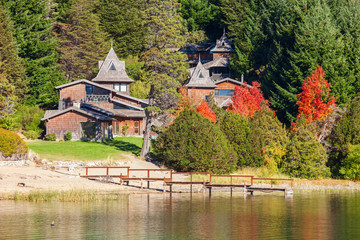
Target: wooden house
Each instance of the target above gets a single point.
(99, 108)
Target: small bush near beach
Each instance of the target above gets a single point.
(351, 165)
(68, 136)
(50, 137)
(11, 143)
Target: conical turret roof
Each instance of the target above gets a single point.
(200, 77)
(112, 70)
(223, 44)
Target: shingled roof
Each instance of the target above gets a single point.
(200, 77)
(112, 70)
(223, 44)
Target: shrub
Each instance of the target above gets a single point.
(50, 137)
(68, 136)
(31, 134)
(124, 129)
(194, 143)
(350, 168)
(10, 143)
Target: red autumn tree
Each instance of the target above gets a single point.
(204, 110)
(248, 100)
(315, 101)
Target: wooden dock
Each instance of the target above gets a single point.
(247, 183)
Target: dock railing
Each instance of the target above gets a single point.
(107, 174)
(275, 179)
(212, 176)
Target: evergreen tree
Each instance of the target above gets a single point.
(82, 41)
(32, 24)
(166, 67)
(237, 131)
(269, 137)
(346, 133)
(123, 20)
(194, 143)
(305, 156)
(11, 67)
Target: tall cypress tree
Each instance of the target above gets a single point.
(36, 45)
(82, 41)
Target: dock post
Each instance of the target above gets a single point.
(190, 188)
(141, 181)
(170, 189)
(210, 191)
(148, 184)
(231, 189)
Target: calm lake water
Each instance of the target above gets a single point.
(158, 216)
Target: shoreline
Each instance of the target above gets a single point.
(40, 182)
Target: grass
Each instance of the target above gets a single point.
(66, 196)
(87, 151)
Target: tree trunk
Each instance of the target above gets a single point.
(145, 150)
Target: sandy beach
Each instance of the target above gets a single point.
(26, 179)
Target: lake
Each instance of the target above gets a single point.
(159, 216)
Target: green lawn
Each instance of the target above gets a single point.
(87, 151)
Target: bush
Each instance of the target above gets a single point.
(194, 143)
(124, 129)
(50, 137)
(350, 168)
(10, 143)
(31, 134)
(68, 136)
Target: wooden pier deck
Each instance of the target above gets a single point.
(248, 183)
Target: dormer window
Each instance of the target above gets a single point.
(112, 67)
(201, 75)
(121, 87)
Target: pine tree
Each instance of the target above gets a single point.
(317, 43)
(32, 24)
(194, 143)
(124, 21)
(11, 67)
(82, 41)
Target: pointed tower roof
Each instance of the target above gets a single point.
(112, 70)
(200, 77)
(223, 44)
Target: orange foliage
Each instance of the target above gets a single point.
(204, 110)
(247, 101)
(183, 103)
(314, 100)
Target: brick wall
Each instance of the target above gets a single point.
(68, 122)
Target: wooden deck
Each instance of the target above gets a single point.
(248, 183)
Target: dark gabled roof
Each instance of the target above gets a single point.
(199, 47)
(117, 112)
(126, 104)
(102, 87)
(200, 78)
(96, 115)
(220, 62)
(232, 81)
(112, 70)
(223, 45)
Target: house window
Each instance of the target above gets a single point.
(201, 76)
(112, 68)
(123, 87)
(224, 92)
(117, 86)
(89, 89)
(137, 127)
(88, 130)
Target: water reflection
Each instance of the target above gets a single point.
(182, 216)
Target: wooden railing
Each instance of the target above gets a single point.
(275, 179)
(231, 177)
(107, 171)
